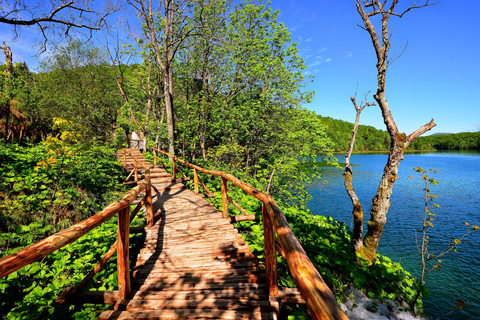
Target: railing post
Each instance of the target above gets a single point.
(123, 270)
(124, 159)
(195, 180)
(174, 168)
(148, 199)
(224, 198)
(136, 170)
(270, 253)
(154, 157)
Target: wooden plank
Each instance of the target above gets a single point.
(200, 286)
(319, 298)
(166, 269)
(197, 281)
(198, 264)
(228, 293)
(230, 250)
(224, 274)
(219, 271)
(187, 314)
(210, 304)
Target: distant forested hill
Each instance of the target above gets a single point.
(456, 141)
(368, 138)
(372, 139)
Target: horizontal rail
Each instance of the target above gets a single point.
(60, 239)
(318, 297)
(135, 159)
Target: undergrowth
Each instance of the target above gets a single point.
(43, 190)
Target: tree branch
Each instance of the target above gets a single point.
(419, 132)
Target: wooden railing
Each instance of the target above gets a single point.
(60, 239)
(318, 297)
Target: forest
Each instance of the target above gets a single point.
(216, 84)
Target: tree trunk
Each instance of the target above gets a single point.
(169, 110)
(398, 141)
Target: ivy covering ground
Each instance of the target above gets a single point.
(50, 187)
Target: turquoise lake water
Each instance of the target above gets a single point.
(459, 199)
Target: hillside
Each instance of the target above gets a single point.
(455, 141)
(368, 137)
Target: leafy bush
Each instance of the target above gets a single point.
(58, 189)
(47, 187)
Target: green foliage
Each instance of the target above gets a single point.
(457, 141)
(53, 185)
(368, 138)
(49, 186)
(76, 84)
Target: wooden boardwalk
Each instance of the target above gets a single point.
(194, 265)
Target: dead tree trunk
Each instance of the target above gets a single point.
(398, 141)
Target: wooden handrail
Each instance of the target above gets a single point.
(62, 238)
(135, 158)
(318, 297)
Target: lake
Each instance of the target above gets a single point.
(459, 198)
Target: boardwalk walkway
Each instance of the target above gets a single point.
(194, 264)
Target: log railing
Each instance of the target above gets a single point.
(318, 297)
(60, 239)
(136, 165)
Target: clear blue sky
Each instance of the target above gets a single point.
(437, 77)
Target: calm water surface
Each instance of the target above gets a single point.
(459, 199)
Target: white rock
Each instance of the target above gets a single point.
(357, 308)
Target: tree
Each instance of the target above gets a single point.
(67, 15)
(166, 26)
(15, 85)
(75, 84)
(366, 247)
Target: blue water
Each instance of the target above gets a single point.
(459, 199)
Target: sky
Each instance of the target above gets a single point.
(437, 76)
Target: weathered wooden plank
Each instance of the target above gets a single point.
(187, 314)
(209, 304)
(202, 276)
(230, 250)
(228, 293)
(200, 286)
(192, 281)
(167, 272)
(167, 269)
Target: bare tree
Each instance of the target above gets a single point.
(367, 247)
(67, 16)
